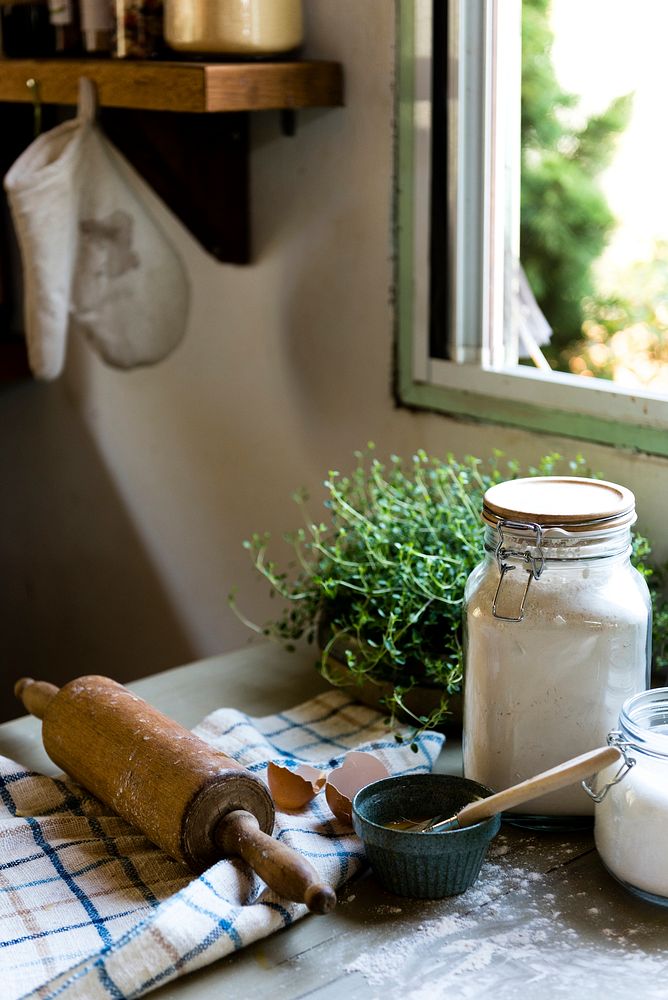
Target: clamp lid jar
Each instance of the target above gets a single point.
(632, 802)
(557, 633)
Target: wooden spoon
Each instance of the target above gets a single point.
(547, 781)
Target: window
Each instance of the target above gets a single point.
(461, 308)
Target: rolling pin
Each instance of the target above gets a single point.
(193, 801)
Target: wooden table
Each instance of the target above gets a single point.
(544, 920)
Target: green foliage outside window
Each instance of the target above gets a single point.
(566, 221)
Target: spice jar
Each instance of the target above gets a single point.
(97, 25)
(557, 635)
(138, 32)
(632, 801)
(64, 16)
(248, 28)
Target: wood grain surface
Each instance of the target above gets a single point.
(177, 86)
(192, 800)
(544, 919)
(150, 770)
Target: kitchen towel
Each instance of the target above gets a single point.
(94, 258)
(90, 909)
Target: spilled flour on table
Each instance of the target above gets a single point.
(379, 965)
(456, 947)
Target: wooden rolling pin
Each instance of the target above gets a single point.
(193, 801)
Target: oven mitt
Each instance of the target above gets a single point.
(94, 259)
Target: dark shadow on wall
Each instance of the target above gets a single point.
(79, 594)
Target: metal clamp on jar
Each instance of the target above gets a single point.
(557, 635)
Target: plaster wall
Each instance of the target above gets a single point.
(286, 365)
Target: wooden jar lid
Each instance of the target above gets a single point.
(568, 501)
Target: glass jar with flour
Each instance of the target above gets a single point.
(557, 635)
(632, 800)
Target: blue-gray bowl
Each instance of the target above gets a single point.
(422, 865)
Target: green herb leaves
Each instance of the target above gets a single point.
(381, 582)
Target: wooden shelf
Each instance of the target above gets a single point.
(178, 86)
(196, 160)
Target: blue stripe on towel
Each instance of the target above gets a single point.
(206, 917)
(88, 905)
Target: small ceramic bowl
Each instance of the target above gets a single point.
(422, 865)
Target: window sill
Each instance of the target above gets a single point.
(551, 403)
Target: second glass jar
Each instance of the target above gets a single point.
(632, 801)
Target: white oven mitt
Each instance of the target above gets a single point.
(94, 259)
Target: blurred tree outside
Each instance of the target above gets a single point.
(626, 331)
(566, 221)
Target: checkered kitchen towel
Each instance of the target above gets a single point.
(90, 909)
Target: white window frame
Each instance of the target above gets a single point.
(481, 381)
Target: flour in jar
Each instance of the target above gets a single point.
(632, 806)
(631, 822)
(549, 687)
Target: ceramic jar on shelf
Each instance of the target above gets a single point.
(235, 28)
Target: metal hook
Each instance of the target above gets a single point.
(33, 85)
(615, 739)
(88, 100)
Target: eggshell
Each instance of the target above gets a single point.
(292, 788)
(357, 770)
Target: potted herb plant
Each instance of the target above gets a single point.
(379, 583)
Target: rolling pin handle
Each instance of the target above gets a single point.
(35, 695)
(283, 869)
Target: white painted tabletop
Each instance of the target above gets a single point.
(543, 921)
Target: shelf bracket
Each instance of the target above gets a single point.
(289, 122)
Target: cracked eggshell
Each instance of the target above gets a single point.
(293, 787)
(357, 770)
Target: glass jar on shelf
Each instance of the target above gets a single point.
(64, 16)
(138, 29)
(97, 25)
